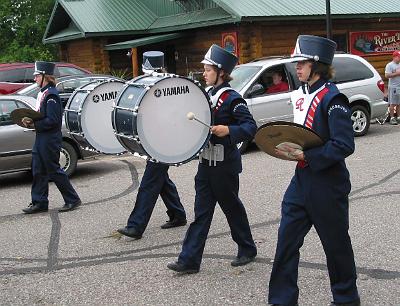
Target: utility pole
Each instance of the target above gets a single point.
(328, 20)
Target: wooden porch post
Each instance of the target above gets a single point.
(135, 63)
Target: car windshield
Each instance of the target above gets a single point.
(31, 91)
(242, 75)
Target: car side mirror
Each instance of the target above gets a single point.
(256, 90)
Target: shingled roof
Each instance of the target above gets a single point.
(72, 19)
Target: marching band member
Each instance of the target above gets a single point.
(47, 147)
(217, 178)
(155, 180)
(318, 192)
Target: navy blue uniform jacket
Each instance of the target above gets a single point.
(48, 129)
(326, 168)
(234, 113)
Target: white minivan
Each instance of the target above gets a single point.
(354, 76)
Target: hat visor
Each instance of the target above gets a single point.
(37, 72)
(301, 58)
(147, 70)
(208, 62)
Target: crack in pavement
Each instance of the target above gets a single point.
(372, 273)
(52, 253)
(380, 182)
(53, 261)
(129, 189)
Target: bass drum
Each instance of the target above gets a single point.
(88, 116)
(150, 118)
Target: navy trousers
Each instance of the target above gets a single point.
(155, 182)
(215, 184)
(45, 167)
(330, 219)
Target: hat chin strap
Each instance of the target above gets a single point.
(216, 80)
(41, 82)
(313, 67)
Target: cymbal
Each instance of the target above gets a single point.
(282, 134)
(19, 113)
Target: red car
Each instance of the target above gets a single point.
(15, 76)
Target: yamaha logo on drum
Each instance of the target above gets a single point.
(172, 91)
(157, 93)
(96, 98)
(105, 96)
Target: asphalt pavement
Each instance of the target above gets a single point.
(77, 258)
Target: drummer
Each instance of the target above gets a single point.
(155, 181)
(318, 194)
(217, 178)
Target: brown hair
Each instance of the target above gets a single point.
(226, 77)
(323, 70)
(51, 79)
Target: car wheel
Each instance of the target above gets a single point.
(68, 158)
(361, 120)
(242, 146)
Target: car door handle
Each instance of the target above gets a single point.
(29, 130)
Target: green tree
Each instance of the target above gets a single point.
(22, 26)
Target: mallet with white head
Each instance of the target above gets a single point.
(191, 116)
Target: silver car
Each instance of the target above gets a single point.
(16, 142)
(355, 77)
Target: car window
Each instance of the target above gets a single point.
(6, 107)
(29, 75)
(349, 69)
(242, 75)
(16, 75)
(31, 91)
(273, 80)
(63, 71)
(70, 85)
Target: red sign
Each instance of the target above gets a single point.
(374, 42)
(230, 42)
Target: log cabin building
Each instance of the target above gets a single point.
(110, 36)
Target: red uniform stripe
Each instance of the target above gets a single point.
(310, 117)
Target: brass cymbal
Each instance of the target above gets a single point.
(273, 134)
(19, 113)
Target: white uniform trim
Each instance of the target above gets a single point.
(302, 102)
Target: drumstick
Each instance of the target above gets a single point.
(191, 116)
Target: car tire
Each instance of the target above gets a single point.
(361, 120)
(242, 146)
(68, 158)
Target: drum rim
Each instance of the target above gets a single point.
(81, 133)
(161, 76)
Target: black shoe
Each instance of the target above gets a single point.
(35, 208)
(353, 303)
(174, 223)
(69, 206)
(181, 268)
(130, 232)
(241, 261)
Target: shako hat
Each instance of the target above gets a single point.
(152, 61)
(221, 58)
(44, 68)
(316, 48)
